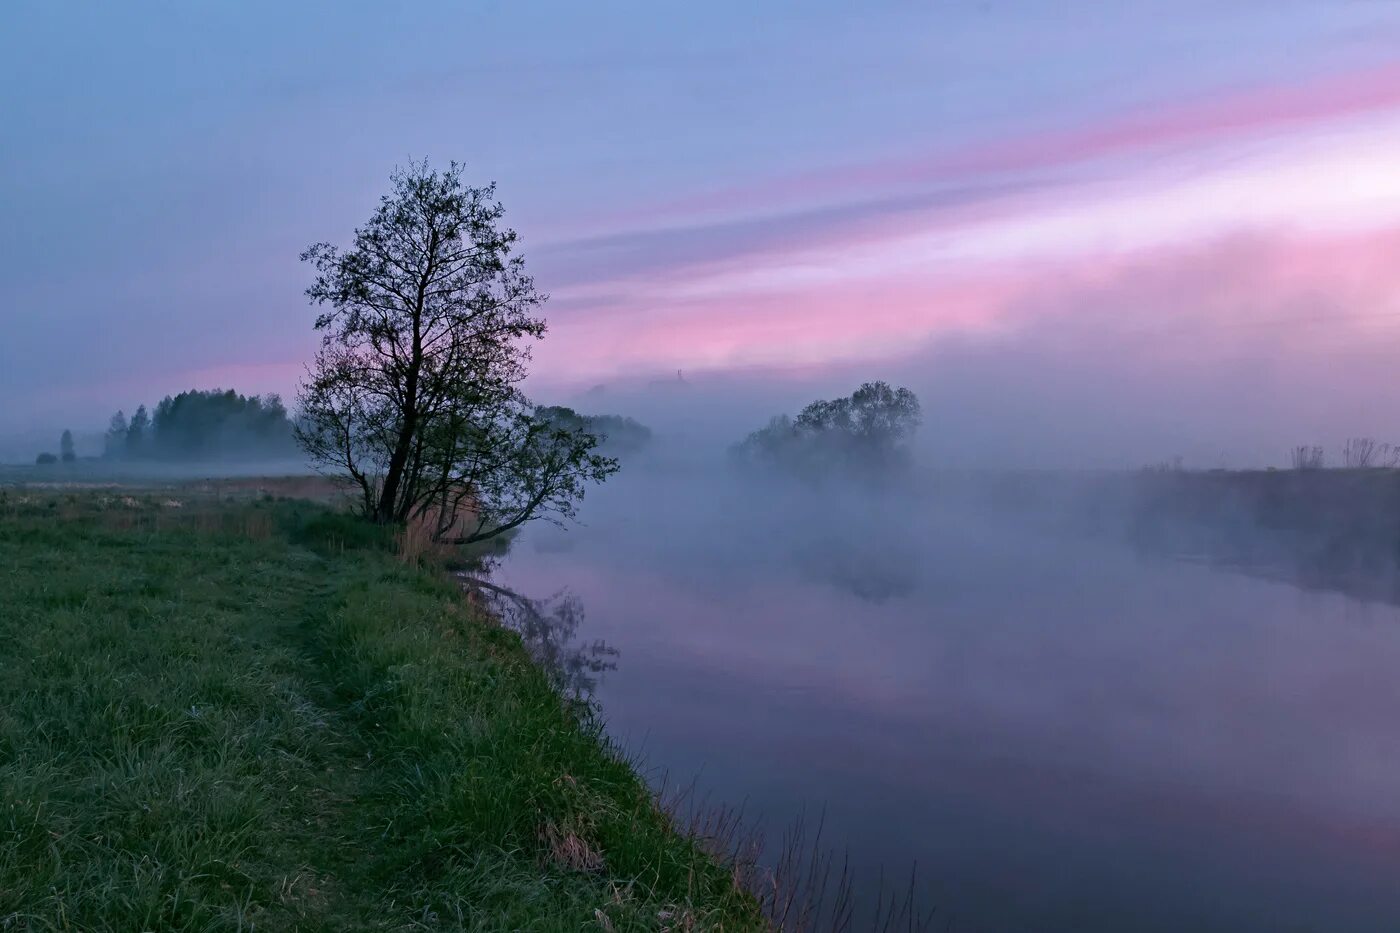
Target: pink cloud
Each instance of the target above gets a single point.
(1301, 237)
(1195, 299)
(149, 387)
(1227, 118)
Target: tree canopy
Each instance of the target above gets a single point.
(203, 425)
(866, 432)
(616, 434)
(414, 393)
(114, 442)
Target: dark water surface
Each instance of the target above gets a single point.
(1063, 735)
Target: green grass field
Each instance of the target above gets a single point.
(253, 716)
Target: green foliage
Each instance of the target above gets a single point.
(204, 425)
(205, 725)
(45, 459)
(198, 425)
(331, 532)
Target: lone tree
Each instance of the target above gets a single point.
(413, 393)
(65, 447)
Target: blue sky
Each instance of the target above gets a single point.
(164, 164)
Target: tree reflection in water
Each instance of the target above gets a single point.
(548, 627)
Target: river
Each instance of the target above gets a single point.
(1062, 734)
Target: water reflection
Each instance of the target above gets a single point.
(872, 571)
(1063, 734)
(548, 628)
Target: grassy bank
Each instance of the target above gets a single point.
(252, 716)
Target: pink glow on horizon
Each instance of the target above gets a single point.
(1246, 238)
(248, 378)
(1201, 300)
(1318, 207)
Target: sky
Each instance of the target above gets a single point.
(1086, 233)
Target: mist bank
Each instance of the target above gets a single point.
(1125, 370)
(867, 534)
(995, 675)
(1332, 528)
(1325, 528)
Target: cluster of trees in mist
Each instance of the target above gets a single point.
(865, 433)
(196, 425)
(65, 448)
(414, 394)
(616, 434)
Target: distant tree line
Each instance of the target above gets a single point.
(865, 433)
(211, 424)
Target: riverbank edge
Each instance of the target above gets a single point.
(485, 798)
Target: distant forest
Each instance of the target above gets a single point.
(221, 424)
(213, 424)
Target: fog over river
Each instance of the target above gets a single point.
(1063, 734)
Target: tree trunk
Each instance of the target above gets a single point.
(384, 512)
(387, 512)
